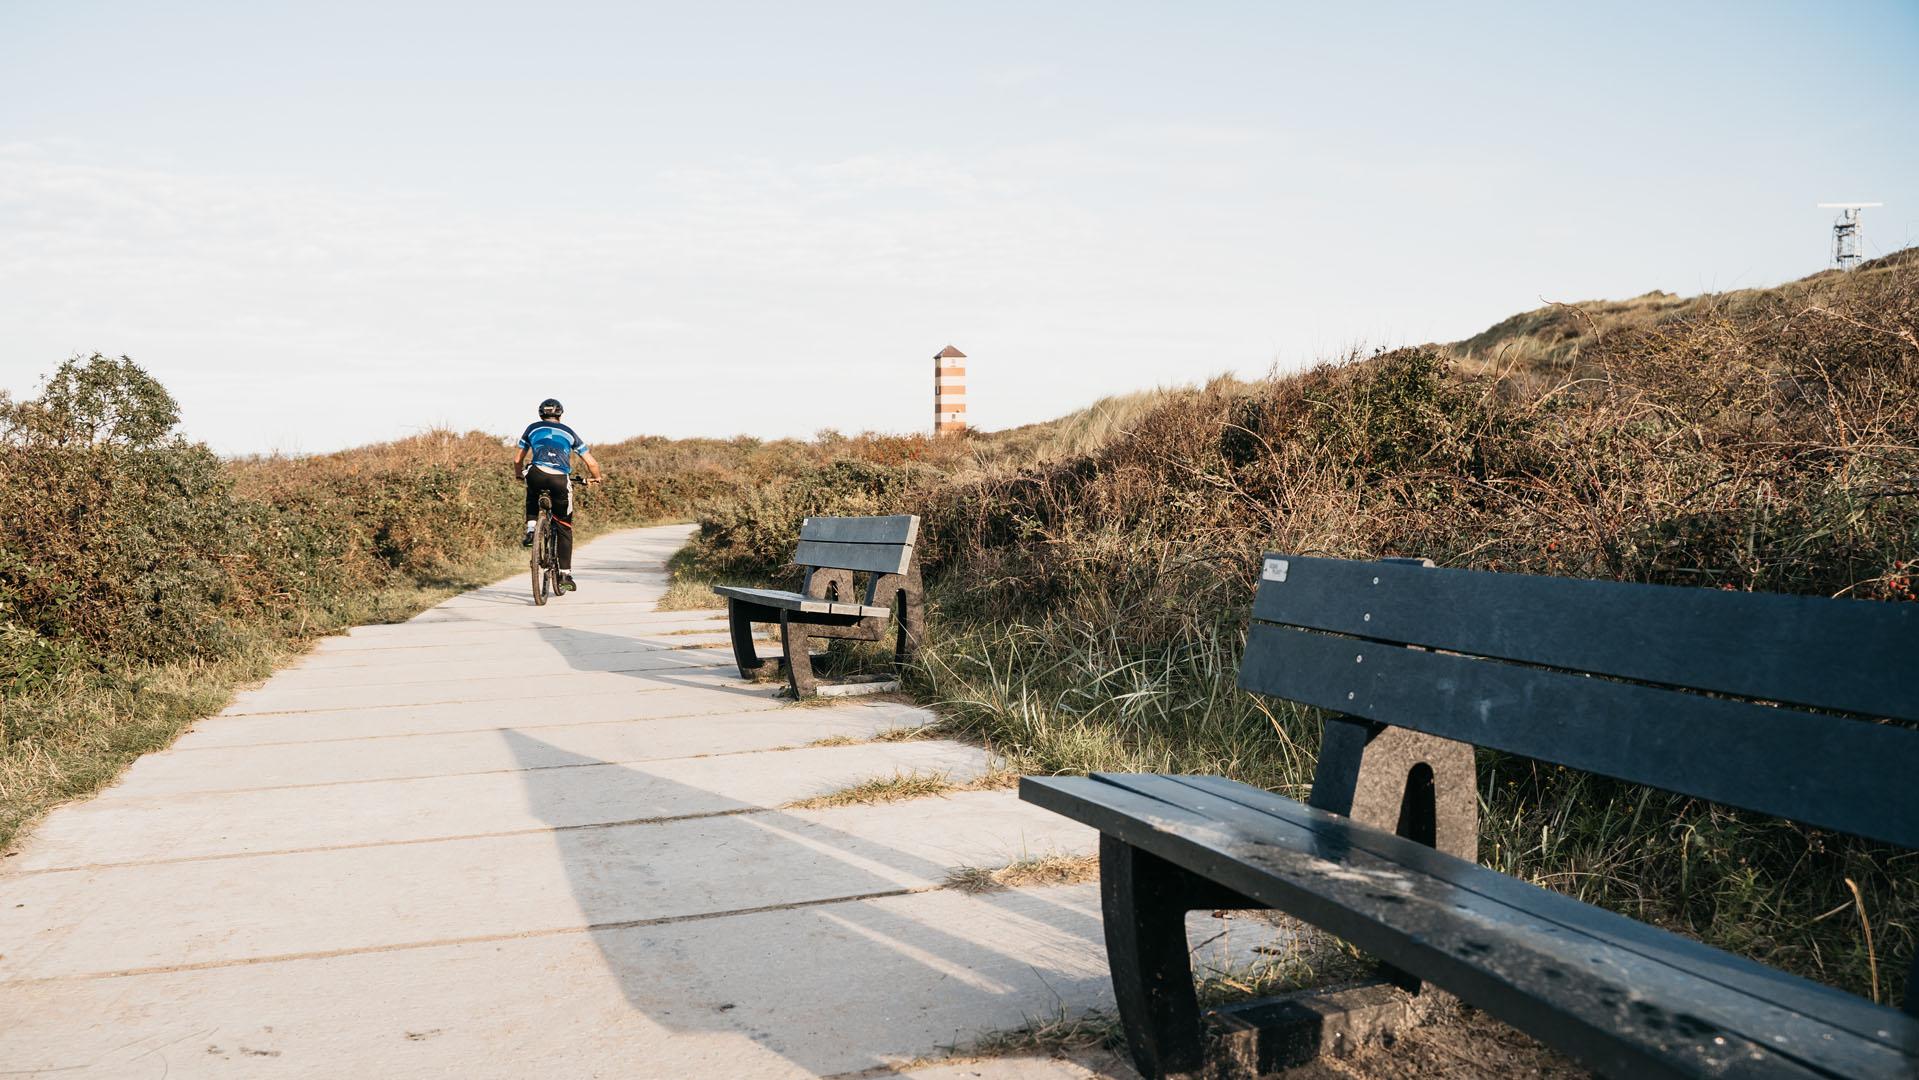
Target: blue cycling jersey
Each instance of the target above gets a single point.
(553, 445)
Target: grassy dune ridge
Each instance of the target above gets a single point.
(1090, 575)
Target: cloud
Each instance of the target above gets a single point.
(747, 294)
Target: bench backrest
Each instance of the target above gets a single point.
(874, 545)
(1698, 691)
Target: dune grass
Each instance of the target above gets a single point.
(1031, 871)
(898, 787)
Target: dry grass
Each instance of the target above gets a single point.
(889, 735)
(1079, 433)
(1062, 1034)
(902, 786)
(1035, 871)
(898, 787)
(907, 734)
(690, 594)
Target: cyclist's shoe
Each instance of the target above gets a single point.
(567, 584)
(526, 540)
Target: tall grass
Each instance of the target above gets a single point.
(1060, 695)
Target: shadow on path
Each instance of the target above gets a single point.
(776, 928)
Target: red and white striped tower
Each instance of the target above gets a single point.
(949, 391)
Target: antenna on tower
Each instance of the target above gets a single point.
(1845, 232)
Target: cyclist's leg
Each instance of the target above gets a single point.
(532, 502)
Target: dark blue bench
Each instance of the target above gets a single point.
(1798, 707)
(834, 553)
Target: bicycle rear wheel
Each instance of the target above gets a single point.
(542, 533)
(553, 559)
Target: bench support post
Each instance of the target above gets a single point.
(740, 617)
(799, 657)
(797, 630)
(1146, 900)
(909, 615)
(1414, 785)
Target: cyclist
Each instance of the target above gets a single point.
(545, 462)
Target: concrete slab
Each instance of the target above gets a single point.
(137, 829)
(694, 667)
(314, 903)
(417, 635)
(531, 661)
(858, 689)
(908, 976)
(561, 642)
(638, 703)
(208, 768)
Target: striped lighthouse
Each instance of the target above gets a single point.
(949, 391)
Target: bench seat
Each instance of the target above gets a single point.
(1628, 998)
(782, 600)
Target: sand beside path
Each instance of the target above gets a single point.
(501, 840)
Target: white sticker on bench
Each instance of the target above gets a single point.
(1275, 570)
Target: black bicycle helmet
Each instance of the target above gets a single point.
(551, 409)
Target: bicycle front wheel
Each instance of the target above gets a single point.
(542, 529)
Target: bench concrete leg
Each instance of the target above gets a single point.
(740, 625)
(1146, 900)
(910, 622)
(909, 630)
(1415, 785)
(1152, 969)
(799, 660)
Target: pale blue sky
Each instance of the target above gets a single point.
(324, 224)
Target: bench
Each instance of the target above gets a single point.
(831, 604)
(1706, 693)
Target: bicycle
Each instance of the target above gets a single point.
(545, 562)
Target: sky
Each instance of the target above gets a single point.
(321, 225)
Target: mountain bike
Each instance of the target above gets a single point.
(545, 563)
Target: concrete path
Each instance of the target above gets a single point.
(501, 840)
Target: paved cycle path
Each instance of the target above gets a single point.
(501, 840)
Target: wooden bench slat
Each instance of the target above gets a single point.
(1816, 1000)
(1846, 774)
(1615, 1008)
(888, 529)
(871, 558)
(792, 601)
(1852, 655)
